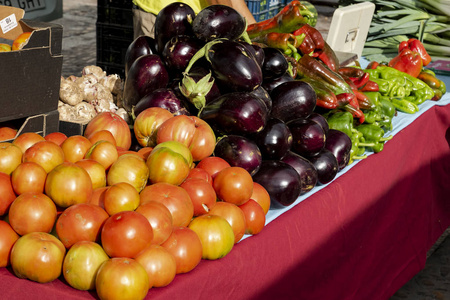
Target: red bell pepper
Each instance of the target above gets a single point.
(408, 62)
(313, 39)
(416, 46)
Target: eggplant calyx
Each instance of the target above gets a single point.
(196, 91)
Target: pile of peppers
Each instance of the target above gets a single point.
(359, 102)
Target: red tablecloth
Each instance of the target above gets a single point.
(362, 237)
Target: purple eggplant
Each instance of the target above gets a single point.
(304, 168)
(146, 74)
(275, 64)
(308, 137)
(236, 113)
(239, 151)
(256, 51)
(340, 145)
(164, 98)
(281, 181)
(326, 165)
(178, 51)
(218, 21)
(142, 45)
(174, 19)
(234, 69)
(292, 99)
(321, 120)
(275, 140)
(264, 95)
(272, 83)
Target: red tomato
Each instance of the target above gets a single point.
(202, 195)
(20, 41)
(6, 192)
(7, 133)
(160, 265)
(255, 218)
(185, 245)
(234, 215)
(28, 177)
(204, 140)
(26, 140)
(216, 235)
(114, 124)
(121, 152)
(125, 234)
(145, 152)
(129, 168)
(119, 197)
(98, 197)
(68, 184)
(102, 135)
(213, 165)
(7, 239)
(10, 157)
(45, 153)
(169, 162)
(56, 137)
(121, 278)
(80, 222)
(200, 173)
(104, 152)
(261, 196)
(96, 172)
(160, 219)
(179, 148)
(38, 256)
(147, 123)
(75, 148)
(175, 198)
(81, 264)
(32, 212)
(192, 132)
(234, 185)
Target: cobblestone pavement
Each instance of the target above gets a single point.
(79, 50)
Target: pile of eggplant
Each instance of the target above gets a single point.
(264, 120)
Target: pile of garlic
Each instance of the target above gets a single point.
(82, 98)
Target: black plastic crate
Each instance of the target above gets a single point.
(112, 68)
(116, 15)
(112, 44)
(116, 3)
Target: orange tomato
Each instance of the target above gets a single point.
(21, 41)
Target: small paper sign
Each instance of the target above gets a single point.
(8, 23)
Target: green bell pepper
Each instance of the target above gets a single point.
(373, 134)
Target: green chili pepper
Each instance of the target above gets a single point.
(404, 105)
(374, 134)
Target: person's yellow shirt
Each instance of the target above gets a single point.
(154, 6)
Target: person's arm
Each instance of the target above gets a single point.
(238, 5)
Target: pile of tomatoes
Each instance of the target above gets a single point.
(121, 221)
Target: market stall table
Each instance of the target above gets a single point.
(362, 236)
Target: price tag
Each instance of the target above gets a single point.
(8, 23)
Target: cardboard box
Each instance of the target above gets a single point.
(30, 77)
(41, 124)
